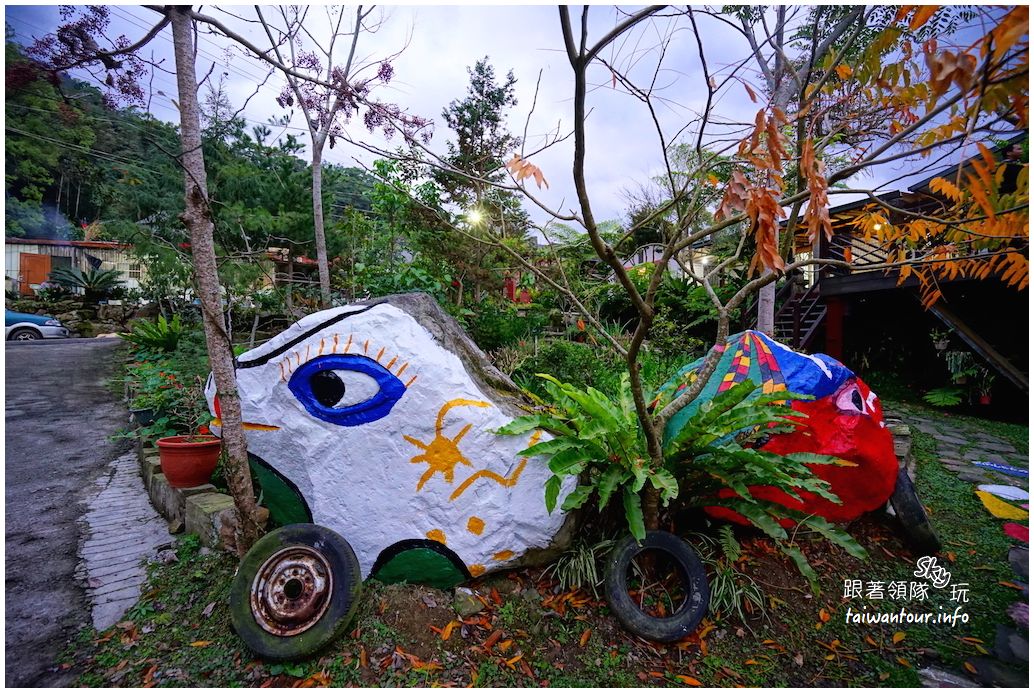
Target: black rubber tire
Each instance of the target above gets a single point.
(24, 334)
(919, 533)
(694, 582)
(346, 585)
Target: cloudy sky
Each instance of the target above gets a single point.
(438, 43)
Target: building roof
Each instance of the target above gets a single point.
(96, 245)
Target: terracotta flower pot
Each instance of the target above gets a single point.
(985, 399)
(188, 460)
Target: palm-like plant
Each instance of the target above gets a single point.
(94, 283)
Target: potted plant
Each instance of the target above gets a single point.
(985, 380)
(940, 339)
(189, 459)
(961, 365)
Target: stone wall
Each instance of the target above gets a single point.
(82, 320)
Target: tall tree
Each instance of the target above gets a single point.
(328, 84)
(482, 144)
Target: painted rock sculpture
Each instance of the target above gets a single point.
(845, 420)
(377, 421)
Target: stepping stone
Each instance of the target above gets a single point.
(1010, 646)
(1010, 493)
(991, 672)
(974, 477)
(1020, 613)
(1000, 508)
(938, 678)
(999, 447)
(1003, 469)
(984, 456)
(1019, 558)
(1017, 531)
(949, 439)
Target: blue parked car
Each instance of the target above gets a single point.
(26, 327)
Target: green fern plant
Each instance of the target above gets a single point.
(161, 335)
(714, 450)
(597, 439)
(944, 396)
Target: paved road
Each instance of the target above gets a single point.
(59, 412)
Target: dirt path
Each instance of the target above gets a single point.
(59, 412)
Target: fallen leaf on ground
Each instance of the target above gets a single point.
(493, 639)
(446, 632)
(898, 637)
(201, 643)
(586, 634)
(688, 680)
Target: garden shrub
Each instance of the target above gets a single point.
(498, 325)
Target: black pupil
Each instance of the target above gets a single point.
(327, 388)
(856, 399)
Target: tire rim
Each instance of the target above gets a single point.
(291, 590)
(25, 337)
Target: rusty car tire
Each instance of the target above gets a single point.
(295, 591)
(694, 582)
(919, 533)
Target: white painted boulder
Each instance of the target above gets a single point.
(381, 419)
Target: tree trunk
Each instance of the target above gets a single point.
(651, 508)
(198, 220)
(782, 90)
(766, 308)
(317, 217)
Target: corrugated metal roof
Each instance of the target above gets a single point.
(97, 245)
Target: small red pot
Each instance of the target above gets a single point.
(188, 461)
(985, 399)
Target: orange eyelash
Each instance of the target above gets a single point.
(287, 367)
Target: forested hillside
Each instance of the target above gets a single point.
(73, 160)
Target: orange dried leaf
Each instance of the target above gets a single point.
(688, 680)
(447, 631)
(904, 662)
(922, 16)
(969, 667)
(823, 615)
(201, 643)
(493, 639)
(586, 634)
(898, 637)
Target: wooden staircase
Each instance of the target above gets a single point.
(800, 312)
(799, 318)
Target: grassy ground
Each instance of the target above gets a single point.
(532, 633)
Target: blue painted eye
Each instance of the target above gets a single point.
(346, 389)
